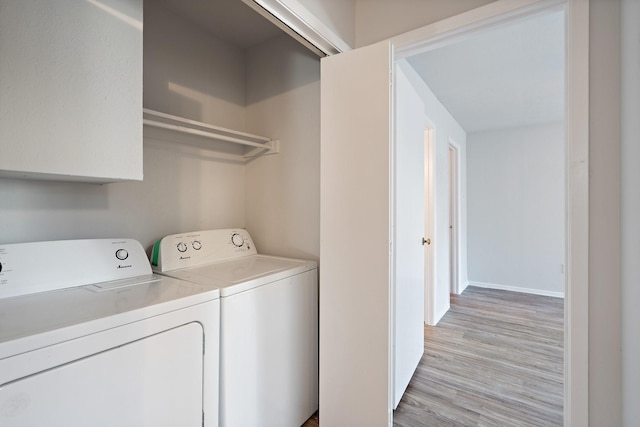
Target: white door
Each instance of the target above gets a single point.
(355, 238)
(409, 231)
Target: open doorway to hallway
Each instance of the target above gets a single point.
(496, 101)
(499, 197)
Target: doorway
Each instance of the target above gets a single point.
(514, 187)
(356, 105)
(576, 91)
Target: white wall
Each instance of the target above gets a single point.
(380, 19)
(445, 129)
(338, 15)
(283, 190)
(516, 208)
(605, 373)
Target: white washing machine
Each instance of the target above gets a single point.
(268, 324)
(89, 336)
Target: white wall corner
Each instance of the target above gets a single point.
(463, 286)
(441, 313)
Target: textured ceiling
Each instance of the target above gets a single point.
(506, 77)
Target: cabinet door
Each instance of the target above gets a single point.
(355, 191)
(71, 89)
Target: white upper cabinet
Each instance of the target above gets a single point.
(71, 90)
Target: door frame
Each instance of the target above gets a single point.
(429, 221)
(454, 218)
(503, 12)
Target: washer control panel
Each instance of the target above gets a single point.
(200, 247)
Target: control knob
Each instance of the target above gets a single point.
(237, 240)
(196, 244)
(182, 247)
(122, 254)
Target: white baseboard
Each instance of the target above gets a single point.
(517, 289)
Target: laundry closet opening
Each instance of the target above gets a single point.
(231, 104)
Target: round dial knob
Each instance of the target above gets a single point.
(182, 247)
(122, 254)
(237, 240)
(197, 244)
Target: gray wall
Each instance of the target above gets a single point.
(517, 209)
(190, 73)
(605, 371)
(630, 51)
(283, 190)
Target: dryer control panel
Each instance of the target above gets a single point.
(196, 248)
(29, 268)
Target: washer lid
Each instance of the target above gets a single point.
(242, 274)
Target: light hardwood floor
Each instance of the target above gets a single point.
(495, 359)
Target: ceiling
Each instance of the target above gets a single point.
(507, 77)
(229, 20)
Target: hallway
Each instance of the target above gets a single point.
(496, 358)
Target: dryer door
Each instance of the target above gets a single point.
(154, 381)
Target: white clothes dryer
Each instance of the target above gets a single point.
(89, 336)
(268, 324)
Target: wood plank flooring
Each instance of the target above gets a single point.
(495, 359)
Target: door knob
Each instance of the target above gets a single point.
(428, 241)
